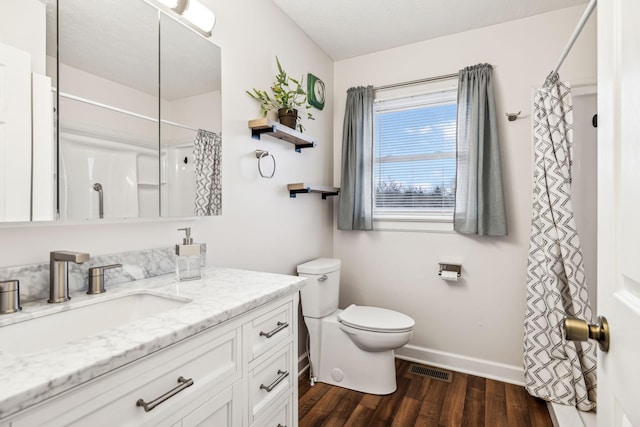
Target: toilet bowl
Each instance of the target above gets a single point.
(376, 329)
(351, 348)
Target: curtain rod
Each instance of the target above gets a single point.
(123, 111)
(413, 82)
(576, 32)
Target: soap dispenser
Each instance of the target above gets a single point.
(187, 258)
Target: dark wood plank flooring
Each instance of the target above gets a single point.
(467, 401)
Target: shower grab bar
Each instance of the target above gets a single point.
(98, 187)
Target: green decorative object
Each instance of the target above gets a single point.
(287, 95)
(315, 91)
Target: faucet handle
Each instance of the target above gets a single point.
(96, 270)
(96, 278)
(9, 296)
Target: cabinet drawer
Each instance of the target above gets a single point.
(269, 381)
(211, 359)
(222, 410)
(282, 416)
(270, 329)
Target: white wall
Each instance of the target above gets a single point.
(261, 227)
(28, 33)
(481, 316)
(584, 184)
(78, 115)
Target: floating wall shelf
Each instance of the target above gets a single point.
(324, 190)
(280, 131)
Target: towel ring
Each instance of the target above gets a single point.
(260, 154)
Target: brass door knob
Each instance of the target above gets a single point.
(580, 330)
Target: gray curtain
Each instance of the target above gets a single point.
(356, 199)
(556, 369)
(479, 207)
(207, 153)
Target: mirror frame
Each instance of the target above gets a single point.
(55, 76)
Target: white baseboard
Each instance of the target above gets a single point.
(465, 364)
(570, 416)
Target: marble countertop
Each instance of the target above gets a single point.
(221, 294)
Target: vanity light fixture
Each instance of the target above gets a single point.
(193, 12)
(199, 15)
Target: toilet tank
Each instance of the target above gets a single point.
(319, 297)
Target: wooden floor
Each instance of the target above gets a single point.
(421, 401)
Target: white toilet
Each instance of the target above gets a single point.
(351, 348)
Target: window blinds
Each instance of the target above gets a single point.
(415, 155)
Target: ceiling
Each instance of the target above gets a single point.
(348, 28)
(118, 40)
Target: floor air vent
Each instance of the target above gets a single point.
(435, 373)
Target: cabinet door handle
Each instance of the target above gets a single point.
(281, 326)
(283, 375)
(184, 383)
(282, 425)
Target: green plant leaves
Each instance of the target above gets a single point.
(287, 92)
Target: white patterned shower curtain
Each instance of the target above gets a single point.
(207, 153)
(556, 369)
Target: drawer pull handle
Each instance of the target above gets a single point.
(281, 326)
(184, 383)
(283, 375)
(282, 425)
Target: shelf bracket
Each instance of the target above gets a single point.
(292, 193)
(299, 146)
(256, 133)
(324, 193)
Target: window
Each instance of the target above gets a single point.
(415, 153)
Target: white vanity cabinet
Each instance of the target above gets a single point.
(240, 373)
(272, 368)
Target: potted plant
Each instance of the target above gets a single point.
(287, 96)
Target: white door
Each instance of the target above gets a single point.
(15, 134)
(619, 210)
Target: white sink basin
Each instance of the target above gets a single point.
(60, 327)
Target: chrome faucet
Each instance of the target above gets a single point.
(59, 273)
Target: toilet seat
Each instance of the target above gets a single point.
(375, 319)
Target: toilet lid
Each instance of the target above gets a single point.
(376, 319)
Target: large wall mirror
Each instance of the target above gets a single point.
(132, 87)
